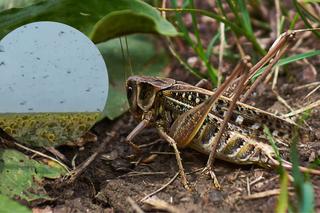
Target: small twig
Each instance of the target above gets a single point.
(162, 153)
(313, 84)
(262, 194)
(57, 154)
(248, 186)
(301, 110)
(161, 188)
(161, 205)
(256, 180)
(81, 168)
(134, 205)
(310, 93)
(281, 100)
(134, 174)
(43, 155)
(267, 193)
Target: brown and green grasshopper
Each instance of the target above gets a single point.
(187, 115)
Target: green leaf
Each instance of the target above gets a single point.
(147, 59)
(84, 15)
(282, 205)
(308, 198)
(7, 206)
(131, 16)
(21, 176)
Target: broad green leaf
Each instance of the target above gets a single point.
(21, 176)
(7, 206)
(131, 16)
(146, 59)
(120, 16)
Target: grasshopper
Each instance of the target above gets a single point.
(211, 123)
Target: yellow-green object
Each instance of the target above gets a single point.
(22, 177)
(47, 129)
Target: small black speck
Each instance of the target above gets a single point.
(22, 75)
(61, 33)
(68, 71)
(88, 90)
(21, 66)
(30, 109)
(45, 76)
(2, 63)
(33, 77)
(38, 58)
(23, 103)
(61, 102)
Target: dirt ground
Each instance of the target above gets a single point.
(108, 183)
(115, 182)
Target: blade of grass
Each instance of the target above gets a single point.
(282, 204)
(304, 189)
(213, 73)
(238, 30)
(187, 38)
(245, 17)
(294, 21)
(303, 17)
(274, 146)
(212, 42)
(233, 9)
(289, 60)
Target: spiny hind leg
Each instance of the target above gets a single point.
(178, 158)
(242, 68)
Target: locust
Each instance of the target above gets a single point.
(221, 126)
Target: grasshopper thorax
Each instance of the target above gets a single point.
(142, 92)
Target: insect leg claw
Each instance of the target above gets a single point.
(209, 171)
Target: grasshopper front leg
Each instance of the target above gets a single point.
(172, 142)
(143, 124)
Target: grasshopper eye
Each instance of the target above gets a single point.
(129, 92)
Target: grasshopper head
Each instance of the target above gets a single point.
(142, 92)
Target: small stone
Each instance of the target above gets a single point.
(312, 157)
(215, 196)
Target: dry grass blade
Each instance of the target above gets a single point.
(161, 205)
(134, 205)
(258, 195)
(161, 188)
(303, 109)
